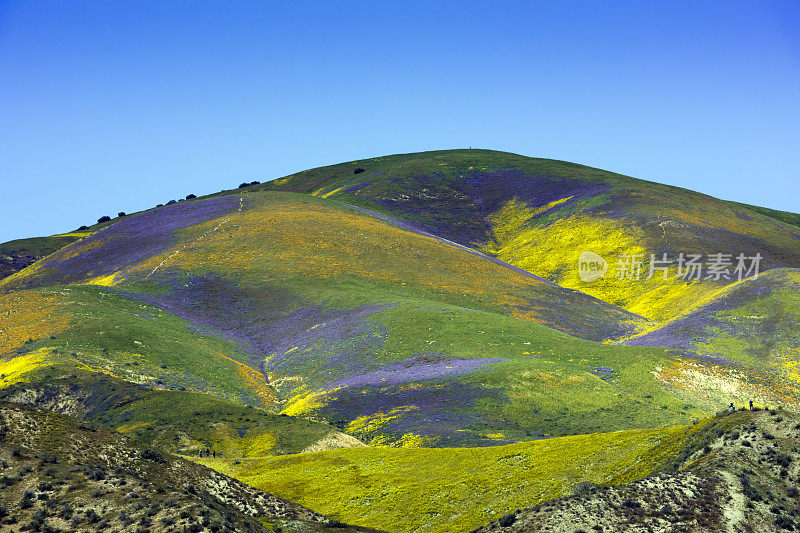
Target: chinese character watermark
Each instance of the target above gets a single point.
(687, 267)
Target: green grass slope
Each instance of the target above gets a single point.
(77, 350)
(444, 490)
(184, 423)
(783, 216)
(18, 254)
(93, 328)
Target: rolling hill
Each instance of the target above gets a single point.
(313, 308)
(540, 214)
(429, 306)
(457, 489)
(745, 339)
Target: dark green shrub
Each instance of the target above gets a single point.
(785, 522)
(66, 511)
(584, 487)
(152, 455)
(508, 520)
(27, 500)
(92, 517)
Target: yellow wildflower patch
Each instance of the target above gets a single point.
(373, 422)
(255, 380)
(553, 253)
(105, 281)
(413, 440)
(307, 402)
(14, 370)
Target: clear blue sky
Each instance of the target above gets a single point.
(116, 106)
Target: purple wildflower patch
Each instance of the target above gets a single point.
(698, 325)
(131, 240)
(414, 369)
(356, 188)
(456, 207)
(446, 410)
(324, 344)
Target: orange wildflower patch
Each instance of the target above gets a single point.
(255, 381)
(29, 315)
(722, 384)
(290, 239)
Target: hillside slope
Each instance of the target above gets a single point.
(286, 236)
(18, 254)
(419, 301)
(445, 490)
(744, 341)
(313, 308)
(184, 423)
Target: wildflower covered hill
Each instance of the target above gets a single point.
(423, 301)
(663, 471)
(541, 214)
(382, 297)
(307, 307)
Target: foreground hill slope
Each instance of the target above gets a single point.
(457, 489)
(731, 472)
(60, 474)
(185, 423)
(740, 475)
